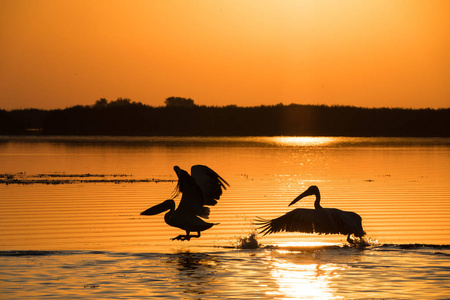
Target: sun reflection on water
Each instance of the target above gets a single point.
(303, 140)
(305, 281)
(309, 244)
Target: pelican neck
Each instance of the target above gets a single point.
(317, 202)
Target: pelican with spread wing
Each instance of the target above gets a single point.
(200, 189)
(318, 220)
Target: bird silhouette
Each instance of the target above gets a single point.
(318, 220)
(203, 187)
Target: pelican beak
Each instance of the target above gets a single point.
(177, 170)
(157, 209)
(302, 195)
(308, 192)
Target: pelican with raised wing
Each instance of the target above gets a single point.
(318, 220)
(200, 189)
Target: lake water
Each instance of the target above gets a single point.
(70, 224)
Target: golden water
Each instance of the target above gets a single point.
(400, 188)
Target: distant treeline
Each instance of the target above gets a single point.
(181, 117)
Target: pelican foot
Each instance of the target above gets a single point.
(181, 237)
(357, 241)
(350, 239)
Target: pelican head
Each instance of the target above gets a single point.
(157, 209)
(180, 172)
(177, 169)
(183, 179)
(312, 190)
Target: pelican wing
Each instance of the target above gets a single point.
(295, 220)
(303, 220)
(348, 222)
(191, 203)
(210, 183)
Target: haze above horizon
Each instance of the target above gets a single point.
(57, 54)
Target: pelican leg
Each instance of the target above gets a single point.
(189, 236)
(182, 237)
(196, 236)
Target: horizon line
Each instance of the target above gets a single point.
(236, 105)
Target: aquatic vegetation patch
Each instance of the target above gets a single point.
(64, 178)
(38, 252)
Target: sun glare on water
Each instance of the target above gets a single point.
(303, 140)
(311, 281)
(302, 279)
(304, 244)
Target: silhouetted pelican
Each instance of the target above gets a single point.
(317, 220)
(202, 187)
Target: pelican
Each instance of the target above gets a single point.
(318, 220)
(202, 187)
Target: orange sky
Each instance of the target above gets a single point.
(380, 53)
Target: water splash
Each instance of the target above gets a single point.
(362, 242)
(248, 242)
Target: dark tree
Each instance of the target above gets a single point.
(181, 117)
(179, 102)
(100, 103)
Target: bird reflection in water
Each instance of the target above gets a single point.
(196, 272)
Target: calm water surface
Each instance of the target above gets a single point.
(86, 239)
